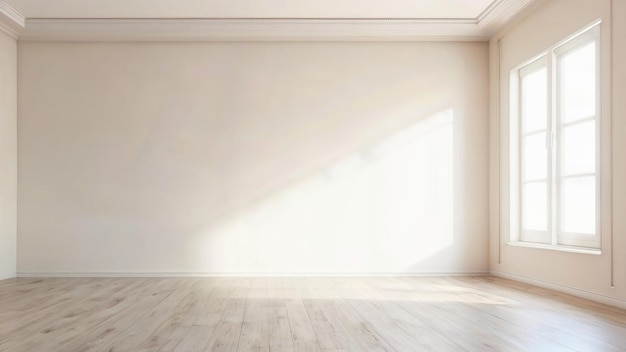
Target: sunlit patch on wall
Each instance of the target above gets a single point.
(383, 208)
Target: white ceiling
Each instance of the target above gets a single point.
(423, 9)
(229, 20)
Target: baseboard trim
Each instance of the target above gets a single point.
(8, 276)
(237, 274)
(592, 296)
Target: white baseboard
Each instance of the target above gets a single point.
(592, 296)
(7, 276)
(237, 274)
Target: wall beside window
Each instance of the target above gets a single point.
(600, 276)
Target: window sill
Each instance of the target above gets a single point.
(560, 248)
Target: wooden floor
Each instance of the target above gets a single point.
(300, 314)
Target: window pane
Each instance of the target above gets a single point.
(579, 205)
(535, 209)
(578, 83)
(578, 148)
(535, 157)
(534, 100)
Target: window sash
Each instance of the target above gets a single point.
(528, 233)
(563, 237)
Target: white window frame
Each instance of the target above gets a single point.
(550, 60)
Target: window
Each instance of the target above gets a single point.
(556, 141)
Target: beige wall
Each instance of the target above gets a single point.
(583, 274)
(8, 155)
(253, 157)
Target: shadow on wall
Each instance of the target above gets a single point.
(384, 208)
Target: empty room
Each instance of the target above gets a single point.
(319, 176)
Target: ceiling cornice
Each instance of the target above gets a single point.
(500, 12)
(485, 25)
(11, 21)
(250, 29)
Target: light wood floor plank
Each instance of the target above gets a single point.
(300, 315)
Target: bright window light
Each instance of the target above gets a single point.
(557, 136)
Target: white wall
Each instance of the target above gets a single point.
(582, 274)
(8, 155)
(253, 157)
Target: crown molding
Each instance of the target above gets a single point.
(250, 29)
(11, 21)
(499, 13)
(481, 28)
